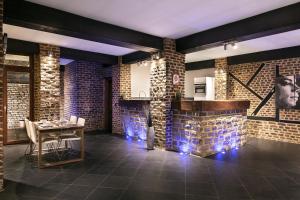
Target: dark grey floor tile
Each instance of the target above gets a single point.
(116, 182)
(105, 194)
(199, 197)
(91, 180)
(64, 178)
(75, 192)
(100, 170)
(259, 188)
(124, 171)
(144, 195)
(173, 175)
(201, 189)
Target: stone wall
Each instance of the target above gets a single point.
(47, 83)
(1, 96)
(84, 94)
(17, 103)
(221, 72)
(263, 84)
(116, 109)
(134, 120)
(162, 91)
(206, 133)
(125, 81)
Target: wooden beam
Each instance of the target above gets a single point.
(284, 53)
(200, 65)
(21, 47)
(269, 23)
(135, 57)
(75, 54)
(28, 48)
(42, 18)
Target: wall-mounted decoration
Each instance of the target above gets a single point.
(176, 79)
(288, 91)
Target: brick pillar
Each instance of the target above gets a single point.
(163, 92)
(116, 109)
(47, 83)
(1, 96)
(221, 74)
(125, 81)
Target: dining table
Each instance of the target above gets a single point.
(44, 128)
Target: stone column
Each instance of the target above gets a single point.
(125, 81)
(221, 74)
(47, 83)
(1, 96)
(163, 91)
(116, 109)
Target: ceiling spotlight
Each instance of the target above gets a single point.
(225, 46)
(234, 45)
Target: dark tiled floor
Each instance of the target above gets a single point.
(118, 169)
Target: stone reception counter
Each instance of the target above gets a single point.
(133, 117)
(198, 127)
(206, 127)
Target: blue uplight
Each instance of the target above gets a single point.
(185, 148)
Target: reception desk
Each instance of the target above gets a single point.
(206, 127)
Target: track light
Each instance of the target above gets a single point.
(225, 46)
(234, 45)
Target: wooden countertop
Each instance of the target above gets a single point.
(211, 105)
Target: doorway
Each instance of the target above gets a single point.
(17, 103)
(108, 104)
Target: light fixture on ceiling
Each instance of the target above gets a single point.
(225, 46)
(50, 54)
(234, 45)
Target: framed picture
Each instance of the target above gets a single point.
(288, 91)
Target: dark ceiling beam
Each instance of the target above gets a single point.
(42, 18)
(284, 53)
(75, 54)
(269, 23)
(21, 47)
(206, 64)
(135, 57)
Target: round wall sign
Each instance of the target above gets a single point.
(176, 79)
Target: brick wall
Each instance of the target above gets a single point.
(205, 133)
(83, 93)
(16, 63)
(17, 103)
(116, 109)
(61, 92)
(125, 81)
(134, 121)
(158, 107)
(1, 96)
(163, 91)
(221, 71)
(262, 84)
(47, 83)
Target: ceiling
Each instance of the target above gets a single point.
(26, 34)
(277, 41)
(165, 18)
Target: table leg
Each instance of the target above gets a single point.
(82, 144)
(40, 150)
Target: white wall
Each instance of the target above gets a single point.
(140, 80)
(189, 79)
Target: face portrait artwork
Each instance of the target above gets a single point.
(287, 92)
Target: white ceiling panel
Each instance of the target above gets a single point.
(282, 40)
(167, 18)
(26, 34)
